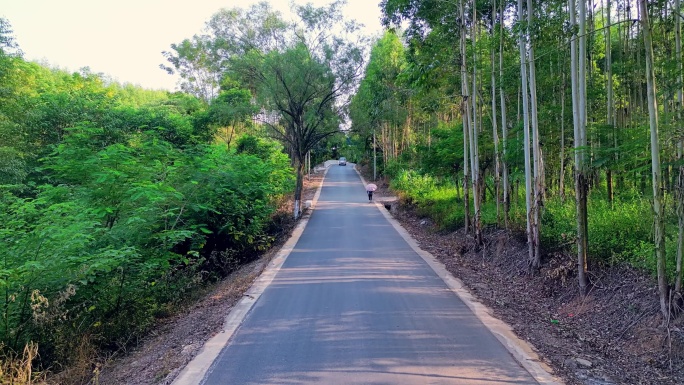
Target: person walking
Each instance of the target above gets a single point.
(369, 190)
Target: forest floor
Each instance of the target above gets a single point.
(613, 336)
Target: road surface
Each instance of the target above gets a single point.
(354, 304)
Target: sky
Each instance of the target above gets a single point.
(124, 39)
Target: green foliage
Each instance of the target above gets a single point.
(445, 156)
(115, 206)
(195, 61)
(432, 197)
(126, 228)
(615, 233)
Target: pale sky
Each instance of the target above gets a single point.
(124, 39)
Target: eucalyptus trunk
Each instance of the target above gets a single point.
(561, 179)
(679, 189)
(495, 128)
(375, 157)
(610, 104)
(466, 119)
(526, 133)
(504, 122)
(474, 151)
(658, 204)
(535, 260)
(577, 76)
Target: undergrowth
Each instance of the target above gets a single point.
(17, 368)
(619, 231)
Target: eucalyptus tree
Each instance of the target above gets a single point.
(538, 188)
(610, 102)
(465, 111)
(679, 189)
(524, 78)
(381, 94)
(578, 78)
(495, 129)
(504, 119)
(656, 172)
(474, 133)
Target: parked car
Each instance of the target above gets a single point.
(343, 161)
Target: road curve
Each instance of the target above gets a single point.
(353, 303)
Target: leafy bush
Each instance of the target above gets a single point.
(124, 230)
(616, 233)
(433, 197)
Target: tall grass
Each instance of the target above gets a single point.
(17, 369)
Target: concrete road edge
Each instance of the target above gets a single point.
(195, 371)
(521, 350)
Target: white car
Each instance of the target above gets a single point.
(343, 161)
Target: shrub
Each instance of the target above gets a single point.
(124, 232)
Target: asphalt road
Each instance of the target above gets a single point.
(354, 304)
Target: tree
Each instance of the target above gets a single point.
(195, 62)
(8, 46)
(381, 99)
(301, 93)
(538, 188)
(230, 111)
(301, 74)
(525, 87)
(656, 172)
(304, 85)
(679, 189)
(578, 78)
(495, 130)
(504, 119)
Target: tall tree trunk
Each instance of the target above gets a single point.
(299, 166)
(526, 132)
(561, 179)
(535, 261)
(474, 151)
(610, 107)
(577, 76)
(658, 204)
(465, 108)
(495, 128)
(504, 123)
(375, 157)
(679, 189)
